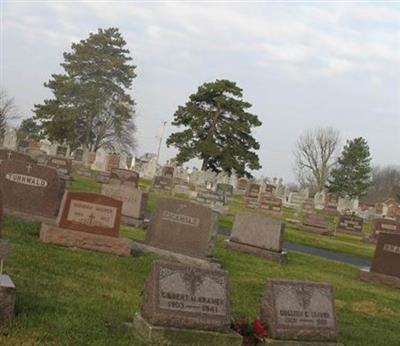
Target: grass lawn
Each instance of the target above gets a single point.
(78, 297)
(343, 243)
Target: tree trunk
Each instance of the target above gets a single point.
(205, 164)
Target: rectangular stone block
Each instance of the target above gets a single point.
(90, 212)
(270, 203)
(315, 223)
(384, 225)
(183, 296)
(124, 177)
(299, 310)
(30, 188)
(350, 224)
(133, 200)
(162, 184)
(258, 231)
(387, 255)
(181, 226)
(158, 335)
(56, 235)
(7, 299)
(103, 177)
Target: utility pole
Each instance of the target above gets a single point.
(160, 138)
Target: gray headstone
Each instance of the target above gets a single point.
(182, 296)
(184, 227)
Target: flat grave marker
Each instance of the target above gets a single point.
(315, 223)
(350, 224)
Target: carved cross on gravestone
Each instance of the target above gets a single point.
(9, 155)
(91, 217)
(29, 167)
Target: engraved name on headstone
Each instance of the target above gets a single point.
(90, 212)
(183, 227)
(387, 255)
(299, 310)
(30, 188)
(183, 296)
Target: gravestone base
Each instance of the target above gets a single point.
(280, 257)
(185, 259)
(271, 212)
(316, 230)
(275, 342)
(158, 335)
(357, 234)
(29, 217)
(7, 299)
(89, 241)
(368, 276)
(131, 221)
(293, 221)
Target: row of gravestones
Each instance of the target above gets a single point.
(183, 230)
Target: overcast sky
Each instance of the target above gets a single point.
(301, 65)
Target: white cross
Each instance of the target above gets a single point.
(29, 167)
(9, 154)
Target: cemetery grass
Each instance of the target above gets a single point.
(78, 297)
(343, 243)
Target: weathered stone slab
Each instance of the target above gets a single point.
(103, 177)
(211, 199)
(350, 224)
(84, 172)
(168, 171)
(30, 188)
(62, 164)
(182, 296)
(315, 223)
(133, 200)
(60, 236)
(225, 190)
(91, 213)
(158, 335)
(280, 257)
(162, 184)
(299, 310)
(181, 226)
(365, 274)
(124, 177)
(242, 184)
(7, 299)
(14, 155)
(252, 203)
(383, 225)
(387, 255)
(269, 189)
(258, 231)
(253, 190)
(331, 203)
(270, 203)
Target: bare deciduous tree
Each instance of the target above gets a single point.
(314, 156)
(385, 184)
(7, 110)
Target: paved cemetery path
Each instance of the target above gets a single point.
(327, 254)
